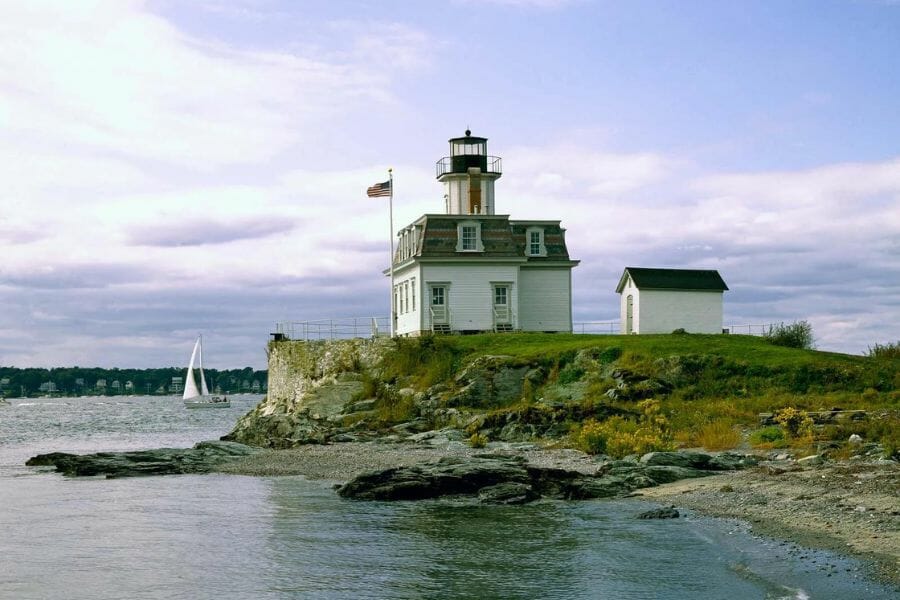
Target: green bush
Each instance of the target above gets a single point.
(478, 440)
(771, 437)
(885, 350)
(618, 436)
(795, 335)
(570, 374)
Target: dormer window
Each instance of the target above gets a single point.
(534, 242)
(469, 237)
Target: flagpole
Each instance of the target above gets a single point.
(391, 219)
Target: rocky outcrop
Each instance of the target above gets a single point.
(202, 458)
(312, 387)
(511, 480)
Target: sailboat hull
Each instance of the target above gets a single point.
(207, 402)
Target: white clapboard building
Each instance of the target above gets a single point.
(663, 300)
(470, 270)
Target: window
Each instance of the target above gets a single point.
(469, 237)
(412, 284)
(437, 296)
(501, 295)
(405, 296)
(534, 242)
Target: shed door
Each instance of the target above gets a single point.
(629, 314)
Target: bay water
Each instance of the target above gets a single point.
(228, 536)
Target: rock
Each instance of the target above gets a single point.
(361, 406)
(695, 460)
(814, 459)
(669, 512)
(855, 440)
(202, 458)
(507, 493)
(670, 473)
(731, 461)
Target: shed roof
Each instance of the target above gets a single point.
(673, 279)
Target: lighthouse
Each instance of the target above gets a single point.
(470, 270)
(468, 175)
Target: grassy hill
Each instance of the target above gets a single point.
(699, 390)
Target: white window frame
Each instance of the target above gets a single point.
(542, 248)
(413, 286)
(479, 246)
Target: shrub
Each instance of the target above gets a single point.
(796, 335)
(797, 423)
(718, 435)
(610, 354)
(478, 440)
(570, 374)
(768, 437)
(620, 437)
(885, 350)
(392, 407)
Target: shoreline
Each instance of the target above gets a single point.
(847, 507)
(844, 507)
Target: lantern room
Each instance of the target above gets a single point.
(468, 175)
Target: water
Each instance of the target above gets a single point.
(222, 536)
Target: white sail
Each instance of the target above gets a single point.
(203, 389)
(190, 384)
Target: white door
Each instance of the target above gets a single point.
(629, 314)
(501, 304)
(439, 302)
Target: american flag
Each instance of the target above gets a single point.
(379, 189)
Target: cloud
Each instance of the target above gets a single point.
(200, 232)
(546, 4)
(74, 276)
(112, 77)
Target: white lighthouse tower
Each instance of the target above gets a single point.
(468, 175)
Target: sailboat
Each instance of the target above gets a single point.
(200, 398)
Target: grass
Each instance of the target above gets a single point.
(719, 384)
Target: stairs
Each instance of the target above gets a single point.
(440, 328)
(503, 327)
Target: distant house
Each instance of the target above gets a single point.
(663, 300)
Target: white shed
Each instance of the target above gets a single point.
(663, 300)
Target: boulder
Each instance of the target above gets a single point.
(508, 493)
(668, 512)
(202, 458)
(694, 460)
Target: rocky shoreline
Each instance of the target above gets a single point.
(848, 506)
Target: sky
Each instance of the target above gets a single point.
(174, 167)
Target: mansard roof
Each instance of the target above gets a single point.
(436, 236)
(673, 279)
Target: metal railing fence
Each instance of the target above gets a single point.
(332, 329)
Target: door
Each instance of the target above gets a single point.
(439, 303)
(629, 314)
(501, 304)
